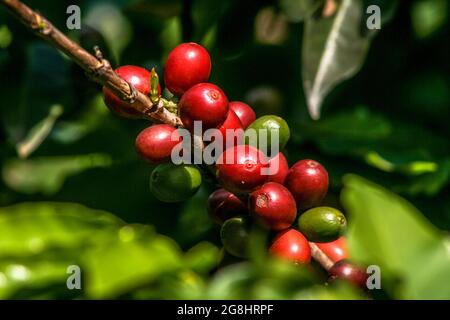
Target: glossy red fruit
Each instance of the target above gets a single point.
(244, 112)
(155, 143)
(279, 168)
(273, 206)
(204, 102)
(187, 65)
(308, 182)
(291, 245)
(231, 123)
(336, 250)
(240, 169)
(140, 79)
(223, 205)
(347, 271)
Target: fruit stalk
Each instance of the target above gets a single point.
(320, 256)
(97, 68)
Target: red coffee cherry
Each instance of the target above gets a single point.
(240, 169)
(187, 65)
(244, 112)
(336, 250)
(154, 143)
(308, 182)
(291, 245)
(232, 122)
(273, 206)
(279, 168)
(140, 79)
(204, 102)
(223, 205)
(345, 270)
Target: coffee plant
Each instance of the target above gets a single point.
(205, 149)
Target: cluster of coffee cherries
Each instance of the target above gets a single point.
(287, 201)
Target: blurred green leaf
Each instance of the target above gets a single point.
(39, 132)
(333, 50)
(386, 230)
(428, 16)
(203, 257)
(297, 11)
(114, 26)
(385, 145)
(6, 36)
(31, 228)
(70, 131)
(133, 258)
(47, 174)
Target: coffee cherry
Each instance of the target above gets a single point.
(235, 234)
(140, 79)
(204, 102)
(187, 65)
(308, 182)
(174, 183)
(233, 123)
(271, 124)
(240, 169)
(322, 224)
(273, 206)
(291, 245)
(244, 112)
(278, 168)
(344, 270)
(336, 250)
(223, 205)
(155, 143)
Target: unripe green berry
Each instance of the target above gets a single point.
(175, 183)
(322, 224)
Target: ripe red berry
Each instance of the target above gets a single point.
(232, 122)
(240, 169)
(291, 245)
(140, 79)
(187, 65)
(155, 143)
(344, 270)
(273, 206)
(308, 182)
(244, 112)
(335, 250)
(279, 168)
(223, 205)
(204, 102)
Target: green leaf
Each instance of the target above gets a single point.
(333, 50)
(114, 26)
(47, 174)
(203, 257)
(297, 11)
(31, 228)
(135, 257)
(91, 118)
(428, 16)
(388, 231)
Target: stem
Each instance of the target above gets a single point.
(320, 256)
(98, 69)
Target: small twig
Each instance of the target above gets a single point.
(320, 256)
(98, 68)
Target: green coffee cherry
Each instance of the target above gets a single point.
(322, 224)
(235, 236)
(174, 183)
(269, 123)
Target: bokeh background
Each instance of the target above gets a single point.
(60, 148)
